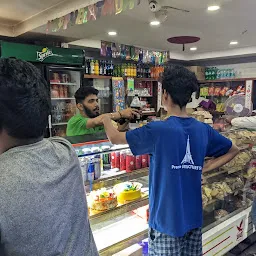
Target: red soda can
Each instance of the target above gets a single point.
(138, 163)
(118, 160)
(130, 163)
(144, 160)
(113, 160)
(122, 161)
(148, 160)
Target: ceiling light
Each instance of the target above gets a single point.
(193, 48)
(213, 8)
(233, 43)
(155, 23)
(112, 33)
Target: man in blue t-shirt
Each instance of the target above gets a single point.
(178, 147)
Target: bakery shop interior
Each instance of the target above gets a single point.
(105, 62)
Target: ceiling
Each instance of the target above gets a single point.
(13, 12)
(20, 16)
(215, 29)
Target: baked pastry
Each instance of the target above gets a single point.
(128, 191)
(102, 200)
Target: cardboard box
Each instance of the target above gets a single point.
(199, 71)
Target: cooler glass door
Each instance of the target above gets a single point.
(64, 82)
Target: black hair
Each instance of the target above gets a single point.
(179, 83)
(84, 92)
(24, 99)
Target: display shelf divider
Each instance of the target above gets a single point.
(119, 210)
(112, 180)
(104, 152)
(225, 80)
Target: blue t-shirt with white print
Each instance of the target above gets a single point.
(177, 147)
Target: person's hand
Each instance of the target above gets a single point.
(106, 119)
(129, 113)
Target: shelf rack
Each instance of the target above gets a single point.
(225, 80)
(109, 181)
(125, 78)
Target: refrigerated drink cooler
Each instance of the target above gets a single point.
(64, 82)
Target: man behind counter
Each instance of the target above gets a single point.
(89, 121)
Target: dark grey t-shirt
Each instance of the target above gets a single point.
(43, 209)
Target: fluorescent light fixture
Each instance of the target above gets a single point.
(213, 8)
(233, 43)
(112, 33)
(155, 23)
(193, 48)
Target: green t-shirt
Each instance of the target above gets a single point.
(77, 126)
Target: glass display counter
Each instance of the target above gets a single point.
(227, 196)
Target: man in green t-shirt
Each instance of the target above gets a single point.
(89, 121)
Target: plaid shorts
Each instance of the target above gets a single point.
(164, 245)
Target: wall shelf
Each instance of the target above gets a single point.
(125, 78)
(226, 80)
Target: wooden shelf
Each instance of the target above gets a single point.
(146, 79)
(69, 84)
(59, 124)
(226, 80)
(125, 78)
(148, 113)
(62, 98)
(97, 77)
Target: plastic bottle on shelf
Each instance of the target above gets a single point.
(91, 171)
(96, 67)
(107, 68)
(92, 67)
(87, 67)
(134, 71)
(149, 72)
(101, 71)
(111, 69)
(125, 70)
(138, 71)
(104, 68)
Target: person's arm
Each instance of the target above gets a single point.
(141, 141)
(114, 136)
(222, 160)
(123, 127)
(220, 148)
(98, 121)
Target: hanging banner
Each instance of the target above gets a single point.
(127, 52)
(91, 13)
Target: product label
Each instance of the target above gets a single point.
(45, 53)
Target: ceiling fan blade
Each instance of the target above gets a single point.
(174, 8)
